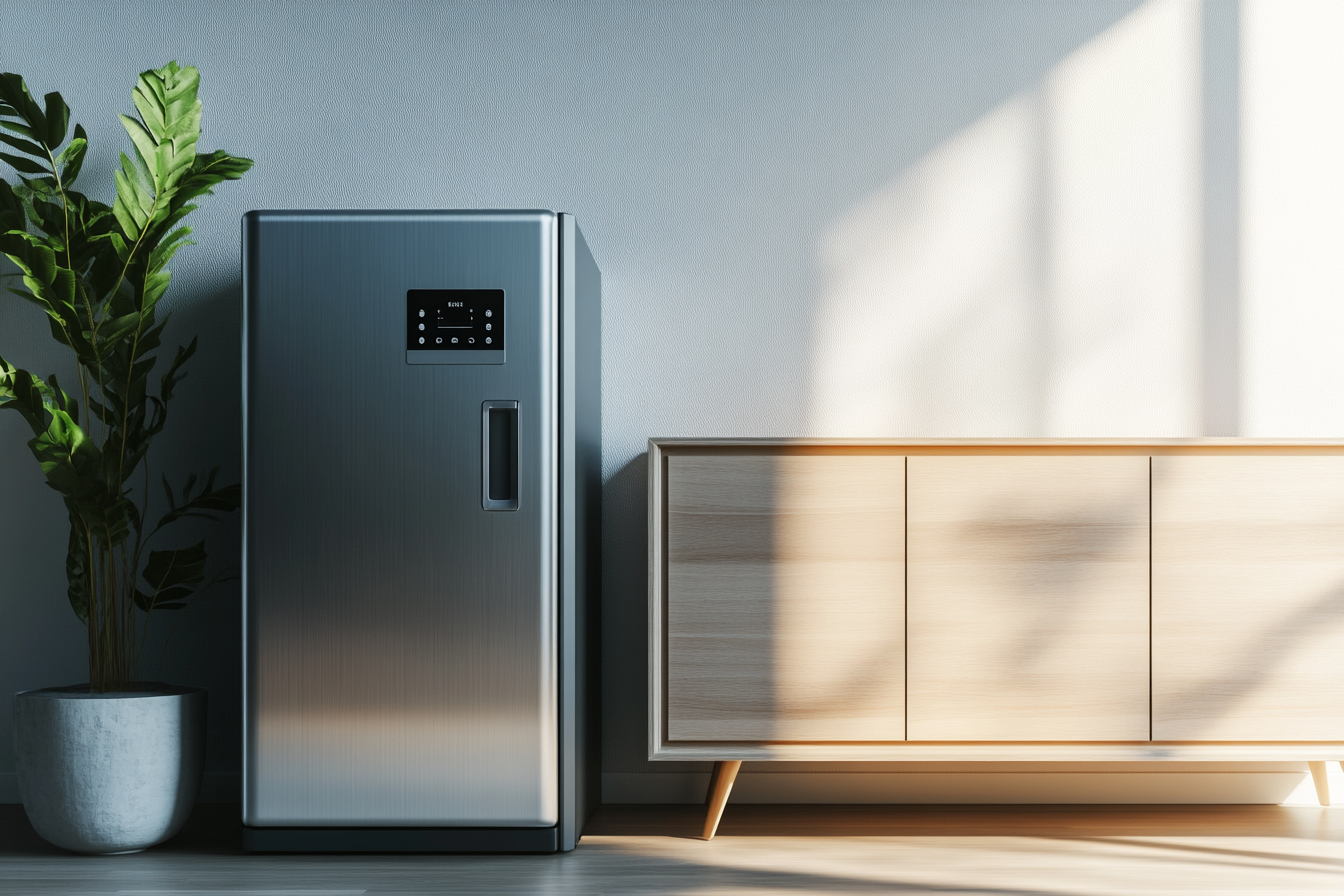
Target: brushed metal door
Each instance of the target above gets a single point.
(400, 639)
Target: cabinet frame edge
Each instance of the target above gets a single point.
(660, 749)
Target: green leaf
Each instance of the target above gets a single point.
(118, 245)
(58, 119)
(58, 331)
(132, 205)
(63, 288)
(145, 144)
(151, 112)
(25, 146)
(114, 330)
(130, 222)
(77, 568)
(109, 413)
(27, 166)
(14, 91)
(68, 457)
(12, 214)
(35, 259)
(209, 170)
(25, 393)
(155, 286)
(164, 252)
(71, 159)
(17, 128)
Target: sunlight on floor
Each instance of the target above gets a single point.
(1017, 865)
(1305, 793)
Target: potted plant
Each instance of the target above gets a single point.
(113, 765)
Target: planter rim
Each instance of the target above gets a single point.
(142, 690)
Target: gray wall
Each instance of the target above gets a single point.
(747, 174)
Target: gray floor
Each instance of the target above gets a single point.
(760, 850)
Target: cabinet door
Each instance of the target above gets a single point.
(785, 597)
(1248, 598)
(1028, 598)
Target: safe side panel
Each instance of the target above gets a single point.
(1248, 598)
(1028, 598)
(785, 598)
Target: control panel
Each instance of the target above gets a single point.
(455, 326)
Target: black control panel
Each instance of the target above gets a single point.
(455, 320)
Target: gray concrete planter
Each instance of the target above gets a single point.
(109, 773)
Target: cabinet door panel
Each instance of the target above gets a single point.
(1028, 598)
(1248, 598)
(785, 597)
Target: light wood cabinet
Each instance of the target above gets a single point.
(1248, 598)
(1028, 598)
(995, 600)
(785, 597)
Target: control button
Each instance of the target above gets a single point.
(422, 340)
(489, 313)
(454, 340)
(440, 339)
(487, 340)
(471, 341)
(488, 326)
(422, 326)
(422, 312)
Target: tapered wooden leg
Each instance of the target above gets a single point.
(1318, 777)
(720, 785)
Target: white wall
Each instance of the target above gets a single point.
(1293, 218)
(812, 218)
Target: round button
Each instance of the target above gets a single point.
(471, 341)
(422, 340)
(440, 339)
(487, 340)
(489, 313)
(422, 326)
(422, 312)
(487, 326)
(454, 340)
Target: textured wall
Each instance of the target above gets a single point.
(887, 218)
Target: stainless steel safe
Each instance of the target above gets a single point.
(422, 476)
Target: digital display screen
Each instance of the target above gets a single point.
(455, 320)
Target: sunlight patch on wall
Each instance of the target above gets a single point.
(1038, 274)
(1293, 218)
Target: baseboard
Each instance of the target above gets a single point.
(216, 787)
(1065, 787)
(1213, 787)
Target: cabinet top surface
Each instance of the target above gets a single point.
(924, 445)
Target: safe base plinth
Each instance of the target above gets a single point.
(535, 840)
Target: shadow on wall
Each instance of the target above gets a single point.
(42, 643)
(1063, 265)
(201, 646)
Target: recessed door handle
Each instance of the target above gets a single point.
(499, 455)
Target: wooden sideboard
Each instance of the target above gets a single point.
(959, 600)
